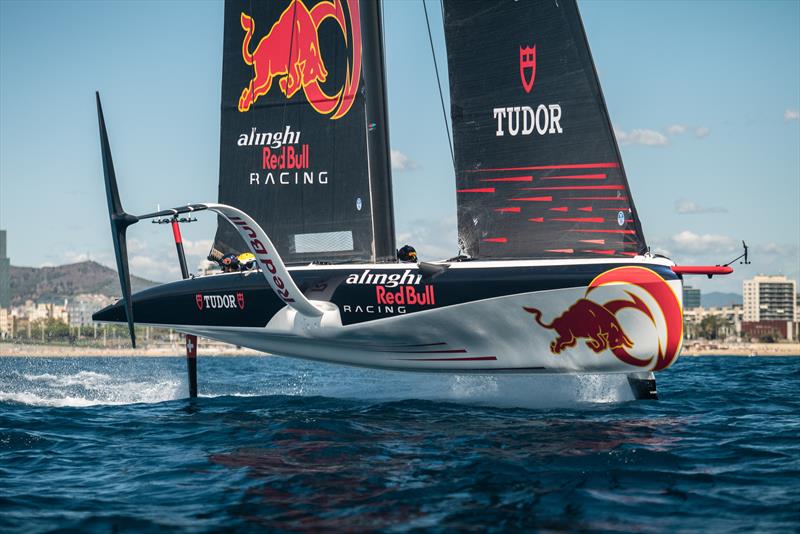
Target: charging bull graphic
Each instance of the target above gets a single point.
(598, 323)
(291, 53)
(586, 319)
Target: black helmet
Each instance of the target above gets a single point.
(407, 253)
(229, 262)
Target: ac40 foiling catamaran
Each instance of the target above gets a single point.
(553, 275)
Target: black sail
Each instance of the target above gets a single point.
(296, 131)
(538, 169)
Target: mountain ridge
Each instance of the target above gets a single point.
(718, 299)
(54, 284)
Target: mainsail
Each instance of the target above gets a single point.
(303, 137)
(538, 170)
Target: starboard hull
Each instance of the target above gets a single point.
(493, 317)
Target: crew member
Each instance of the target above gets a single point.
(247, 261)
(229, 263)
(407, 254)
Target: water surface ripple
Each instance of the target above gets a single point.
(101, 444)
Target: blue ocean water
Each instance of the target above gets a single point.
(108, 444)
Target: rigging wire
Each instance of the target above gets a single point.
(439, 84)
(289, 61)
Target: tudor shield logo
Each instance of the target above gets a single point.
(240, 300)
(527, 67)
(198, 299)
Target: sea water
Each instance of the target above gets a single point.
(107, 444)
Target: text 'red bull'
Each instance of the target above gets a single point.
(405, 295)
(287, 158)
(290, 52)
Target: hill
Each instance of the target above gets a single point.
(54, 284)
(716, 299)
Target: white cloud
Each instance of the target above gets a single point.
(432, 239)
(402, 163)
(199, 247)
(641, 136)
(690, 242)
(154, 268)
(676, 129)
(791, 115)
(702, 132)
(685, 206)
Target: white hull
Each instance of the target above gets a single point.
(488, 336)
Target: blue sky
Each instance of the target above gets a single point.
(704, 97)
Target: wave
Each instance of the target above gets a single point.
(131, 381)
(88, 388)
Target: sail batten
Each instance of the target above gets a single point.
(532, 134)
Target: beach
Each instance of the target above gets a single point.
(205, 348)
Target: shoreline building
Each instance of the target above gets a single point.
(728, 323)
(769, 307)
(691, 298)
(5, 273)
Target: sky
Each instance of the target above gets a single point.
(704, 98)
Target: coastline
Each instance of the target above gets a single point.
(741, 349)
(43, 350)
(208, 348)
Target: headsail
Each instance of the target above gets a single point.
(538, 168)
(295, 131)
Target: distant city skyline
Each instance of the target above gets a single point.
(706, 109)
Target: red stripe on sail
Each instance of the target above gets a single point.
(561, 250)
(473, 359)
(629, 254)
(508, 210)
(587, 208)
(531, 199)
(477, 190)
(593, 241)
(510, 179)
(614, 209)
(537, 219)
(446, 351)
(577, 177)
(562, 208)
(603, 231)
(609, 165)
(573, 187)
(580, 219)
(495, 240)
(595, 198)
(604, 252)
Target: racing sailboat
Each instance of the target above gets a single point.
(554, 274)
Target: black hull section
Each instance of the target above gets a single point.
(362, 293)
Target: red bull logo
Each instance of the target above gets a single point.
(290, 53)
(599, 325)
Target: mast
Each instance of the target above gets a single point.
(377, 124)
